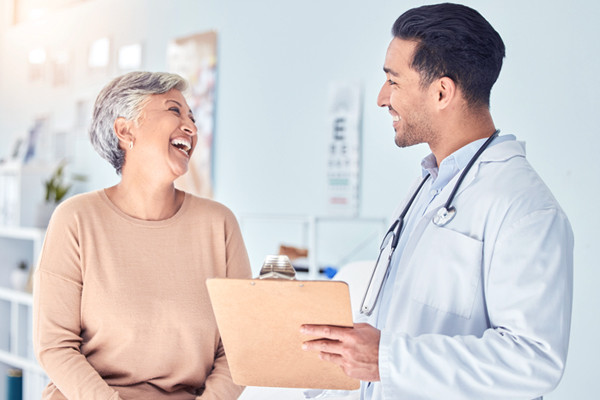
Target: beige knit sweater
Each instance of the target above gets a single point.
(121, 309)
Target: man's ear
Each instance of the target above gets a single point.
(121, 127)
(446, 92)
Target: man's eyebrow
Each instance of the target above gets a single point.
(390, 71)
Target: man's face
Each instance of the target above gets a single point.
(409, 103)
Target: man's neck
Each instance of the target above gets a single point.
(456, 134)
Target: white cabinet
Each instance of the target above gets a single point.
(16, 344)
(21, 191)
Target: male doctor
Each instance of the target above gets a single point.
(475, 301)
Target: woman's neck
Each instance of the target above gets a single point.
(146, 200)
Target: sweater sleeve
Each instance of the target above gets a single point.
(219, 384)
(57, 338)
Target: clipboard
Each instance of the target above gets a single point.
(259, 322)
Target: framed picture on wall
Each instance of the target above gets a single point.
(195, 58)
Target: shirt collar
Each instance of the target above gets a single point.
(455, 162)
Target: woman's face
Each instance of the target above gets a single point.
(164, 135)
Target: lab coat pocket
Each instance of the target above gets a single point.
(447, 276)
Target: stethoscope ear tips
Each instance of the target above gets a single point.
(444, 215)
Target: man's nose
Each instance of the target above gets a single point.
(384, 96)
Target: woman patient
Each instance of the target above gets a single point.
(121, 309)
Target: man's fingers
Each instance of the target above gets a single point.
(333, 358)
(323, 345)
(355, 350)
(324, 331)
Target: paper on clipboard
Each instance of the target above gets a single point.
(259, 322)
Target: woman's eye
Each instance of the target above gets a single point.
(175, 110)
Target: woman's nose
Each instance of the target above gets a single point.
(189, 128)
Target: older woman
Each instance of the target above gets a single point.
(121, 308)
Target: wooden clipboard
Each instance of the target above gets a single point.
(259, 322)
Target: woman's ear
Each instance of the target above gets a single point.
(123, 132)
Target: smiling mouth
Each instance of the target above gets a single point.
(182, 145)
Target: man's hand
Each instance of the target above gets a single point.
(355, 349)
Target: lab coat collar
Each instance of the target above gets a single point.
(462, 156)
(504, 151)
(497, 152)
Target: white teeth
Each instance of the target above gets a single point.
(396, 118)
(182, 144)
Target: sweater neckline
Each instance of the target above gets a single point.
(142, 222)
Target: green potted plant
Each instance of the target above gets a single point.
(56, 189)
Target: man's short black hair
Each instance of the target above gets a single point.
(454, 41)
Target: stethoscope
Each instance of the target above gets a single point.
(391, 238)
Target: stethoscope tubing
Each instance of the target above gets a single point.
(484, 146)
(447, 214)
(400, 220)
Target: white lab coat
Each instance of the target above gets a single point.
(482, 306)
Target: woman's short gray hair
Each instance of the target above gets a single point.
(125, 96)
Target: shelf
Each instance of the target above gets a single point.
(19, 244)
(20, 362)
(34, 235)
(21, 191)
(16, 296)
(24, 233)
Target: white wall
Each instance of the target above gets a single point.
(276, 59)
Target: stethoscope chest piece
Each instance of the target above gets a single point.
(444, 215)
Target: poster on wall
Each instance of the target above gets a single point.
(195, 58)
(344, 147)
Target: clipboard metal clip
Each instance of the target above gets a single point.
(277, 267)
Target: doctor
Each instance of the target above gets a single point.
(471, 295)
